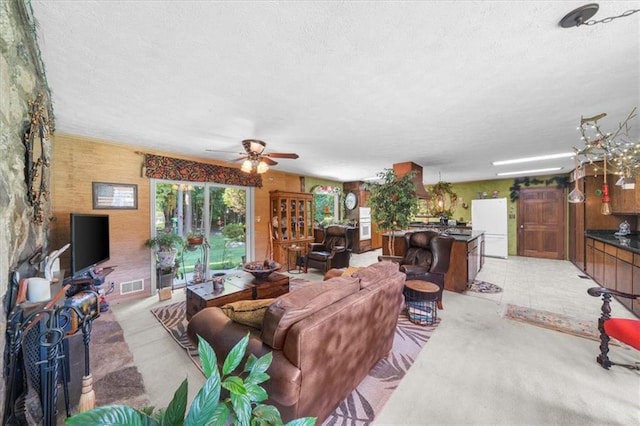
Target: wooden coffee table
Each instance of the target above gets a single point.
(237, 286)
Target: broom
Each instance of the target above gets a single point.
(87, 395)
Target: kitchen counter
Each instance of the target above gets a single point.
(629, 242)
(460, 234)
(467, 255)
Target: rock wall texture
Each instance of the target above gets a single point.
(22, 78)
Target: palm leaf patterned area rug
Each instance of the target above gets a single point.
(368, 399)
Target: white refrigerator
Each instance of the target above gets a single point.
(490, 215)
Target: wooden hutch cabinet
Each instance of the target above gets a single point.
(291, 223)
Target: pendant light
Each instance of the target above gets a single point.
(576, 196)
(606, 201)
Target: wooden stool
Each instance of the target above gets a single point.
(421, 300)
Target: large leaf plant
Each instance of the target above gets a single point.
(209, 407)
(393, 202)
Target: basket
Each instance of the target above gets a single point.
(258, 270)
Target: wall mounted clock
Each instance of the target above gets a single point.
(350, 201)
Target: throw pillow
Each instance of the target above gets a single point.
(247, 312)
(351, 270)
(293, 307)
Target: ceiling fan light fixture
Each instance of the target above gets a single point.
(246, 166)
(262, 167)
(254, 146)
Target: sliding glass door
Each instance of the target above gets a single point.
(217, 213)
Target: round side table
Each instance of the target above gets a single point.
(421, 301)
(296, 251)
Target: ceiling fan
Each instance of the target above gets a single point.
(255, 159)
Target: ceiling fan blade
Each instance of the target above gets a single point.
(223, 151)
(244, 157)
(269, 161)
(282, 155)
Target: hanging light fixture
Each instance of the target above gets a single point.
(606, 201)
(576, 196)
(262, 167)
(246, 166)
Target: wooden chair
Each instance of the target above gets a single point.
(625, 330)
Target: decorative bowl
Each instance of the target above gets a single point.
(258, 270)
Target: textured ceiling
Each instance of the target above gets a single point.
(352, 87)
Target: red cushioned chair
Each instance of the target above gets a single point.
(625, 330)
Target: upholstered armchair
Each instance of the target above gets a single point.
(626, 330)
(426, 258)
(333, 252)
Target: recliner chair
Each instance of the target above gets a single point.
(625, 330)
(426, 258)
(333, 252)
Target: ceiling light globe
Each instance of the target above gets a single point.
(262, 167)
(246, 166)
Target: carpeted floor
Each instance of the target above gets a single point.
(369, 397)
(554, 321)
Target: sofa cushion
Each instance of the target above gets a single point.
(290, 308)
(247, 312)
(376, 272)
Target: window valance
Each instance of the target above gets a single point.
(159, 167)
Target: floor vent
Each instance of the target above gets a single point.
(132, 286)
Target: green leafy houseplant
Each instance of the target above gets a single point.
(166, 245)
(209, 407)
(393, 203)
(165, 241)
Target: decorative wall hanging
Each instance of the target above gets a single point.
(159, 167)
(115, 195)
(36, 142)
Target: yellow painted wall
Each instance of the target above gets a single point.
(467, 191)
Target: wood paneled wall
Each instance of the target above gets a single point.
(78, 161)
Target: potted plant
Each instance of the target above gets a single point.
(242, 406)
(195, 238)
(393, 203)
(166, 246)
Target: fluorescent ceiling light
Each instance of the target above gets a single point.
(523, 172)
(538, 158)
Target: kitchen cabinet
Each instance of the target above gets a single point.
(616, 268)
(623, 201)
(291, 222)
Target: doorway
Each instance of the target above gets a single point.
(542, 223)
(219, 213)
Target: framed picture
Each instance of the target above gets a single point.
(115, 196)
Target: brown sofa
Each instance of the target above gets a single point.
(325, 338)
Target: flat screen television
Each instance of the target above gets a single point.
(89, 242)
